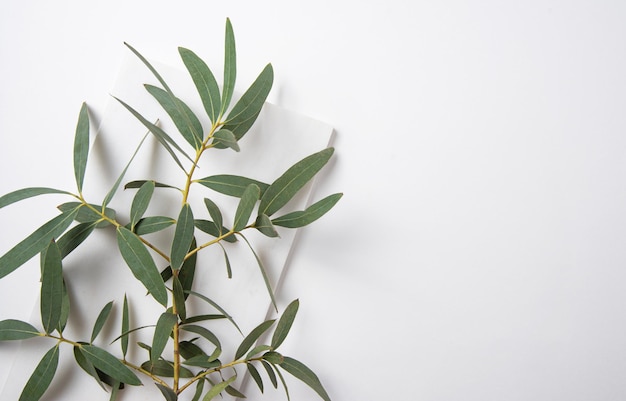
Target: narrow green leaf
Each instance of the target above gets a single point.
(165, 369)
(202, 361)
(189, 350)
(199, 390)
(273, 357)
(287, 185)
(232, 185)
(210, 228)
(230, 66)
(284, 324)
(270, 373)
(101, 320)
(188, 271)
(229, 271)
(205, 82)
(127, 332)
(26, 193)
(282, 380)
(251, 338)
(12, 329)
(306, 375)
(218, 388)
(153, 224)
(35, 242)
(226, 139)
(234, 392)
(87, 214)
(256, 376)
(138, 183)
(266, 278)
(140, 203)
(65, 309)
(206, 333)
(214, 212)
(141, 264)
(41, 378)
(51, 288)
(184, 119)
(164, 328)
(202, 318)
(150, 67)
(110, 365)
(182, 237)
(265, 226)
(179, 298)
(247, 109)
(74, 237)
(310, 214)
(167, 392)
(125, 326)
(246, 205)
(87, 366)
(115, 390)
(81, 146)
(216, 306)
(257, 350)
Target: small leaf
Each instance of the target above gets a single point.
(230, 66)
(214, 212)
(202, 318)
(141, 264)
(270, 373)
(51, 301)
(41, 378)
(179, 299)
(140, 203)
(266, 278)
(265, 226)
(26, 193)
(226, 139)
(234, 392)
(310, 214)
(189, 350)
(206, 334)
(205, 82)
(101, 320)
(153, 224)
(273, 357)
(245, 207)
(202, 361)
(165, 369)
(251, 338)
(218, 388)
(199, 390)
(74, 237)
(257, 350)
(138, 183)
(216, 306)
(210, 228)
(167, 392)
(255, 375)
(164, 328)
(109, 364)
(81, 146)
(229, 271)
(35, 242)
(287, 185)
(306, 375)
(182, 237)
(232, 185)
(12, 329)
(284, 324)
(125, 326)
(188, 271)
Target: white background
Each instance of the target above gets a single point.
(478, 252)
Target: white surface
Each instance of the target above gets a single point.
(478, 252)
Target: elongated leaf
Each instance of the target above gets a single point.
(87, 214)
(206, 333)
(230, 66)
(153, 224)
(210, 228)
(165, 369)
(179, 298)
(199, 390)
(81, 146)
(202, 318)
(188, 271)
(26, 193)
(51, 288)
(164, 328)
(270, 373)
(87, 366)
(41, 378)
(216, 306)
(284, 324)
(229, 271)
(35, 242)
(127, 332)
(246, 205)
(282, 380)
(251, 338)
(185, 120)
(188, 350)
(12, 329)
(202, 361)
(205, 82)
(287, 185)
(115, 390)
(214, 212)
(74, 237)
(218, 388)
(65, 309)
(310, 214)
(150, 67)
(306, 375)
(140, 203)
(234, 392)
(266, 278)
(167, 392)
(141, 264)
(182, 237)
(101, 320)
(109, 364)
(138, 183)
(125, 326)
(227, 139)
(247, 109)
(257, 350)
(265, 226)
(273, 357)
(232, 185)
(256, 376)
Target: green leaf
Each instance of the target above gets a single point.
(282, 380)
(141, 264)
(257, 350)
(270, 373)
(87, 214)
(216, 306)
(214, 212)
(41, 378)
(266, 278)
(255, 375)
(210, 228)
(251, 338)
(202, 318)
(188, 271)
(218, 388)
(310, 214)
(167, 392)
(265, 226)
(179, 298)
(109, 364)
(182, 237)
(189, 350)
(101, 320)
(35, 242)
(26, 193)
(65, 309)
(164, 328)
(234, 392)
(205, 83)
(51, 288)
(87, 366)
(206, 333)
(284, 324)
(185, 120)
(12, 329)
(138, 183)
(229, 271)
(140, 203)
(150, 67)
(165, 369)
(273, 357)
(199, 390)
(125, 326)
(246, 205)
(153, 224)
(202, 361)
(247, 109)
(306, 375)
(232, 185)
(226, 139)
(230, 66)
(81, 146)
(287, 185)
(74, 237)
